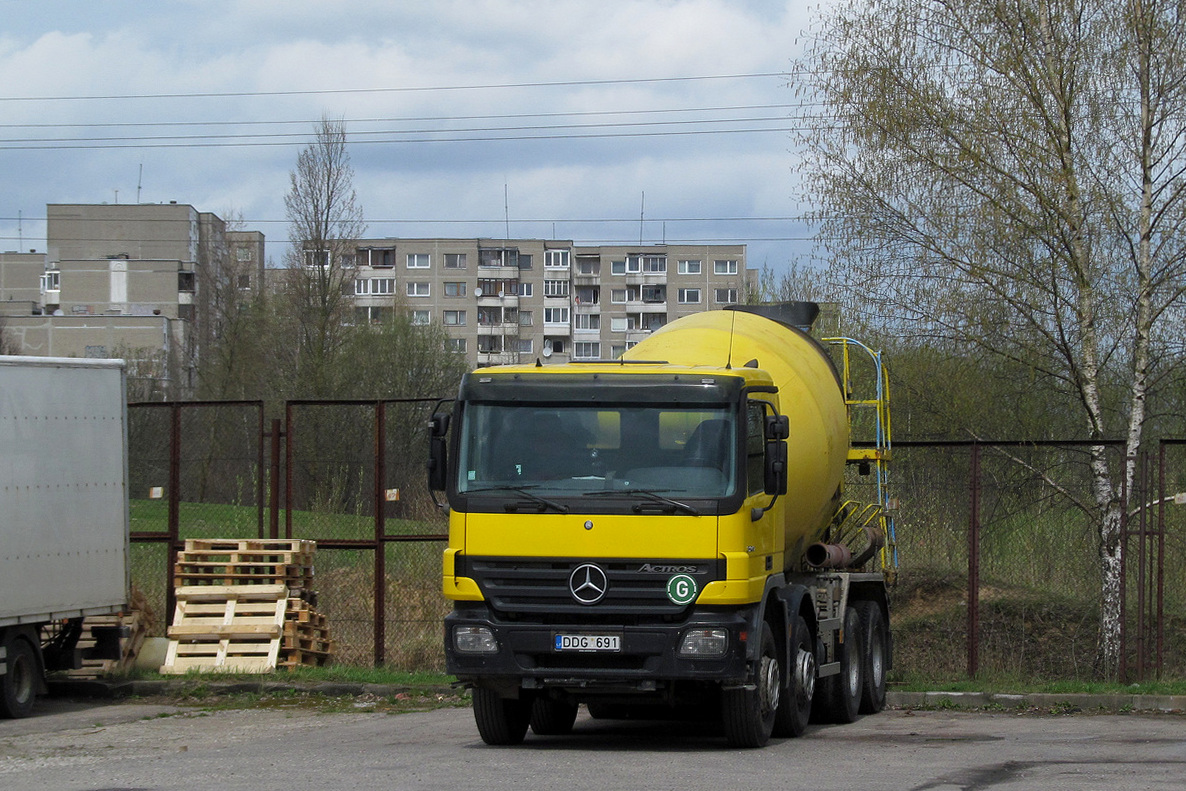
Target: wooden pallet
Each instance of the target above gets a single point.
(134, 630)
(255, 625)
(245, 562)
(229, 628)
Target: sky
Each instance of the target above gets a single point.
(600, 121)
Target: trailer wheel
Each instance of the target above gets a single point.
(795, 710)
(18, 686)
(876, 645)
(552, 717)
(501, 721)
(839, 698)
(749, 714)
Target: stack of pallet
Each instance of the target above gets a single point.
(132, 632)
(246, 607)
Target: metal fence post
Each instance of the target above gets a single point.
(974, 568)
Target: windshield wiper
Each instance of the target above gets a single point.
(525, 491)
(652, 495)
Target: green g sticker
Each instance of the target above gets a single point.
(681, 589)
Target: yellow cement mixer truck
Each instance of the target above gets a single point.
(672, 533)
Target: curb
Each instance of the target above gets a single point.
(1069, 703)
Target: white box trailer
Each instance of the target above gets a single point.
(63, 513)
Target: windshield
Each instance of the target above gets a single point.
(550, 450)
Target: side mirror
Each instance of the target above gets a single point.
(438, 452)
(778, 428)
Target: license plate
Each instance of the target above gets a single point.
(588, 642)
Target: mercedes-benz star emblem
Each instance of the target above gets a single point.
(588, 584)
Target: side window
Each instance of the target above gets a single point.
(755, 448)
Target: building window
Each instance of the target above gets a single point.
(381, 259)
(372, 314)
(524, 261)
(588, 295)
(689, 296)
(499, 257)
(587, 321)
(492, 287)
(185, 282)
(555, 344)
(457, 345)
(489, 317)
(724, 267)
(419, 289)
(525, 319)
(245, 282)
(374, 286)
(454, 289)
(421, 318)
(555, 259)
(347, 260)
(526, 290)
(244, 254)
(526, 345)
(555, 315)
(454, 318)
(419, 260)
(726, 296)
(489, 344)
(454, 260)
(586, 350)
(317, 258)
(618, 324)
(619, 296)
(633, 264)
(617, 267)
(654, 294)
(653, 264)
(588, 265)
(616, 350)
(689, 267)
(52, 280)
(555, 288)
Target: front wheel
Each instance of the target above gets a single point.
(748, 713)
(18, 685)
(501, 721)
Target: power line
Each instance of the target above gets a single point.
(404, 89)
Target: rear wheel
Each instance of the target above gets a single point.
(795, 709)
(18, 685)
(500, 721)
(552, 717)
(839, 698)
(748, 714)
(876, 655)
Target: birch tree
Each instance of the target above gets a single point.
(325, 220)
(1007, 176)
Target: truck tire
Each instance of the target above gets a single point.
(501, 721)
(874, 634)
(748, 714)
(552, 717)
(839, 696)
(794, 711)
(18, 685)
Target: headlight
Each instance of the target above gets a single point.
(474, 640)
(704, 642)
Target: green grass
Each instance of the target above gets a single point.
(1005, 685)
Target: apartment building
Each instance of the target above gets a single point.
(512, 301)
(140, 280)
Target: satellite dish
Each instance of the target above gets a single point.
(477, 292)
(547, 351)
(500, 294)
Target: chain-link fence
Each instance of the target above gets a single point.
(351, 476)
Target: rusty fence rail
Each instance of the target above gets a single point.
(999, 563)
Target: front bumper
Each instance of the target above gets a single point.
(648, 660)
